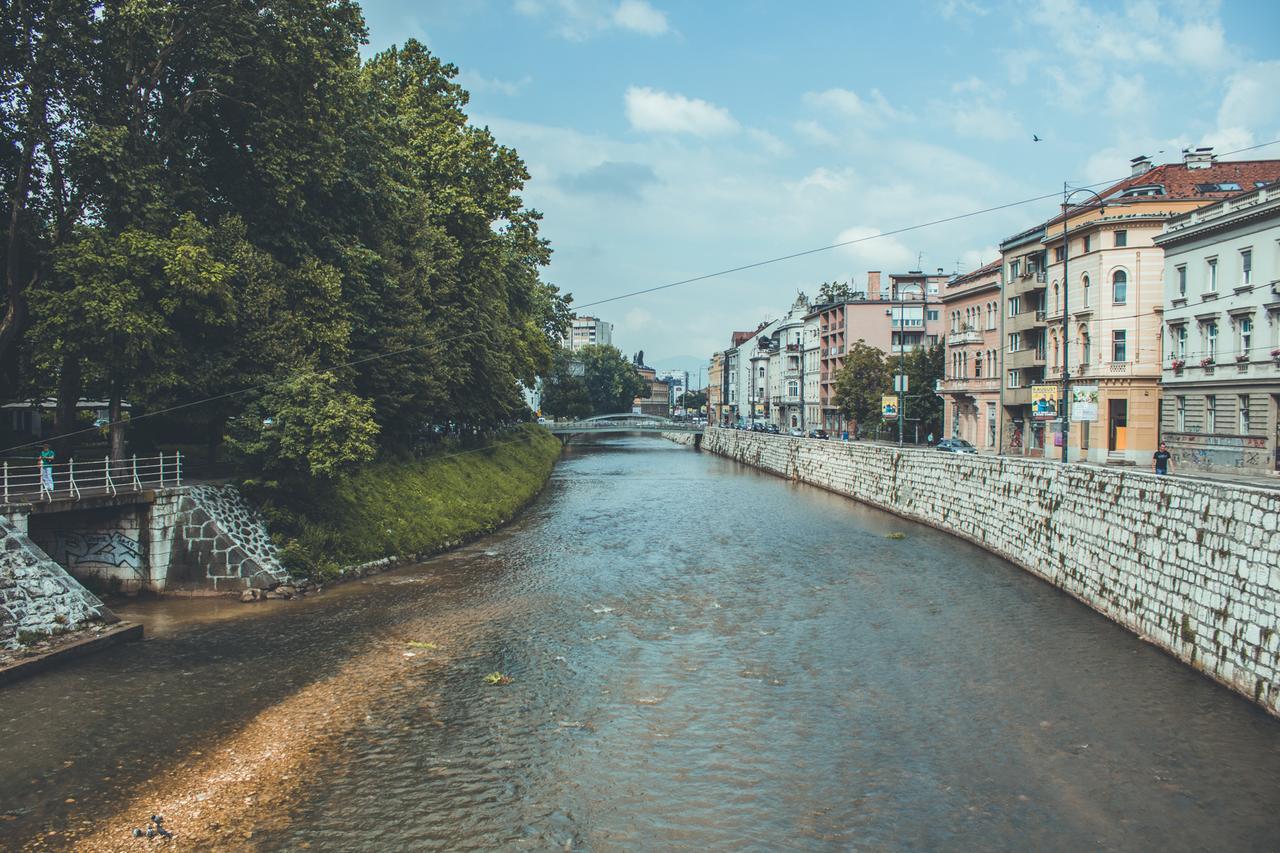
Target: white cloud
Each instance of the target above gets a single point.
(638, 16)
(815, 133)
(579, 20)
(1127, 99)
(1249, 107)
(771, 144)
(873, 250)
(473, 82)
(956, 9)
(977, 112)
(826, 180)
(848, 104)
(662, 112)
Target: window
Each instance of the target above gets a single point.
(977, 366)
(1182, 280)
(1118, 345)
(1084, 346)
(932, 314)
(1055, 349)
(793, 388)
(1057, 254)
(1086, 243)
(1122, 239)
(1210, 413)
(1246, 266)
(1182, 414)
(1013, 269)
(1211, 339)
(1014, 305)
(1245, 327)
(1055, 296)
(1119, 287)
(1013, 379)
(1213, 275)
(1015, 341)
(1084, 280)
(1244, 414)
(1180, 342)
(762, 373)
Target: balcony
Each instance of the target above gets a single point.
(1025, 358)
(964, 337)
(1024, 320)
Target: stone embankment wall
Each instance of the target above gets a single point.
(1192, 566)
(689, 439)
(216, 539)
(37, 596)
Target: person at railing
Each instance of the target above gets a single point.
(46, 467)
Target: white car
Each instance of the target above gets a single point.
(796, 432)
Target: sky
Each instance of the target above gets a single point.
(667, 140)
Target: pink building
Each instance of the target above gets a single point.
(971, 389)
(895, 319)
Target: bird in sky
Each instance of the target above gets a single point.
(1035, 138)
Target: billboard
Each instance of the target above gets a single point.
(1044, 402)
(1084, 402)
(889, 406)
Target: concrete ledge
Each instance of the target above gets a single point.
(97, 641)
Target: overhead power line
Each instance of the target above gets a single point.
(629, 295)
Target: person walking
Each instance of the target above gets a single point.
(46, 468)
(1161, 461)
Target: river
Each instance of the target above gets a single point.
(699, 655)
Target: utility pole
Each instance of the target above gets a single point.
(1065, 404)
(902, 367)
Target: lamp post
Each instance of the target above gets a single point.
(902, 366)
(1065, 404)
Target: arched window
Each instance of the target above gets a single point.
(1084, 280)
(977, 366)
(1053, 342)
(1119, 286)
(1084, 346)
(1055, 296)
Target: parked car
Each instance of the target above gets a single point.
(818, 433)
(772, 429)
(796, 432)
(956, 445)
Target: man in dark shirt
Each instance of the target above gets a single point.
(1161, 460)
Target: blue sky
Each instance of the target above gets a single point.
(671, 139)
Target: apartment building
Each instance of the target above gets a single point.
(971, 388)
(716, 406)
(1221, 368)
(586, 331)
(1086, 289)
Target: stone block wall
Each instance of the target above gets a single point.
(37, 596)
(688, 439)
(211, 537)
(1192, 566)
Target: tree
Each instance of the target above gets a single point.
(833, 291)
(564, 393)
(860, 383)
(925, 366)
(612, 384)
(692, 401)
(306, 426)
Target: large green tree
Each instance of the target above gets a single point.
(612, 382)
(925, 366)
(859, 384)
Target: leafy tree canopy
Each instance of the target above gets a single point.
(860, 382)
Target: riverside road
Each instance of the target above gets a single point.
(700, 656)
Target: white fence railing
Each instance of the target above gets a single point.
(75, 479)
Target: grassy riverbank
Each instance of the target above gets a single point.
(402, 507)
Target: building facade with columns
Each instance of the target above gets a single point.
(1221, 368)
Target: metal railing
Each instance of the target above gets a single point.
(76, 479)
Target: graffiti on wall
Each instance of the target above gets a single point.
(110, 548)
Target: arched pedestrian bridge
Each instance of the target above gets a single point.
(622, 422)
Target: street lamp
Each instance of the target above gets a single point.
(1064, 407)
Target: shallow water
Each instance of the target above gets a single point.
(701, 656)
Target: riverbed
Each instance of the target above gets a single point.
(697, 655)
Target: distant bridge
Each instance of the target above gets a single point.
(622, 422)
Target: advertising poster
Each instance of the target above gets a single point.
(889, 406)
(1084, 403)
(1044, 402)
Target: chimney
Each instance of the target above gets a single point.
(1198, 158)
(1140, 164)
(873, 284)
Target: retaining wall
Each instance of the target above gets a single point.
(1192, 566)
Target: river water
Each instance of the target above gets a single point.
(701, 656)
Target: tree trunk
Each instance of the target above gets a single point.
(117, 424)
(64, 417)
